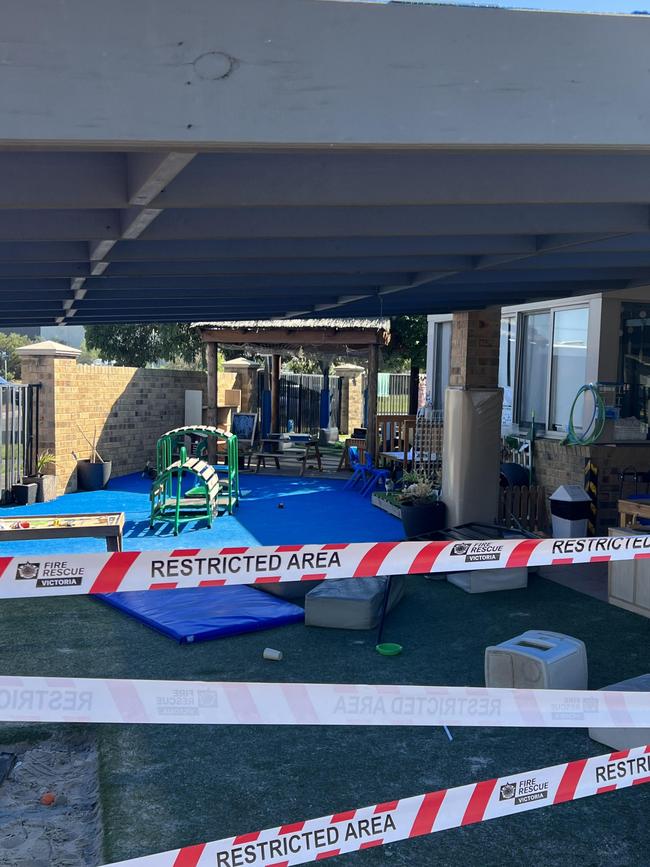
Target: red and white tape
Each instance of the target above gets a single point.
(73, 574)
(354, 830)
(87, 700)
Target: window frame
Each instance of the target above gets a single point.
(552, 310)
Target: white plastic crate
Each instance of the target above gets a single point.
(537, 660)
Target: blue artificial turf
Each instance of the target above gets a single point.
(273, 511)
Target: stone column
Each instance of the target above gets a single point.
(472, 422)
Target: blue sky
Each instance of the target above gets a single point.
(603, 6)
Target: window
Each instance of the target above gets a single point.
(568, 367)
(535, 353)
(442, 363)
(552, 367)
(507, 359)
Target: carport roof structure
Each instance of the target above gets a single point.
(281, 158)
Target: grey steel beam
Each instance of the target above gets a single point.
(61, 180)
(236, 282)
(346, 265)
(302, 248)
(435, 75)
(432, 177)
(43, 251)
(425, 220)
(146, 175)
(53, 225)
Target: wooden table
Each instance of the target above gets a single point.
(108, 526)
(311, 445)
(629, 511)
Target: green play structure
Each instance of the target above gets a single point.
(172, 497)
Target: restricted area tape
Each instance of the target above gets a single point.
(354, 830)
(80, 700)
(64, 575)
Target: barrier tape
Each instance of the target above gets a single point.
(64, 575)
(88, 700)
(352, 831)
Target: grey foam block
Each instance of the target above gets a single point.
(351, 603)
(294, 590)
(623, 738)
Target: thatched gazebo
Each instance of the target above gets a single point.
(329, 337)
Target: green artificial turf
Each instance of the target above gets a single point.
(167, 786)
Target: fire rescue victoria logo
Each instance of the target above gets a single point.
(53, 573)
(524, 791)
(477, 552)
(27, 571)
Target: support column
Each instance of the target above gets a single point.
(414, 389)
(373, 374)
(275, 393)
(472, 421)
(211, 361)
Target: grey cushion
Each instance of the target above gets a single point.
(351, 603)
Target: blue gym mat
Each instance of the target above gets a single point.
(202, 613)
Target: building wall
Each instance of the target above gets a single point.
(557, 464)
(130, 408)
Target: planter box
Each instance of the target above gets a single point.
(382, 502)
(24, 495)
(45, 487)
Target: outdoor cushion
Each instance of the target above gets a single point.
(350, 603)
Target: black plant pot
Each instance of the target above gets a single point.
(418, 519)
(93, 476)
(25, 494)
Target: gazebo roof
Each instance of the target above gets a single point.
(276, 334)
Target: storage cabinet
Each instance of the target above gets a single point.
(629, 580)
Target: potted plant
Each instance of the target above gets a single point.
(94, 473)
(45, 484)
(421, 508)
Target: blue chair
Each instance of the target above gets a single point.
(377, 477)
(359, 470)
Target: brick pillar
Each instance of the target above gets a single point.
(351, 396)
(241, 373)
(472, 425)
(475, 348)
(51, 365)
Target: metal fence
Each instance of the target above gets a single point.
(300, 401)
(19, 405)
(393, 393)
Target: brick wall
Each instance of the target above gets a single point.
(557, 464)
(129, 407)
(475, 349)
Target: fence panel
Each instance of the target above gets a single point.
(393, 393)
(18, 435)
(523, 508)
(300, 400)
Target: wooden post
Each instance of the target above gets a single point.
(414, 389)
(275, 393)
(211, 361)
(211, 354)
(373, 374)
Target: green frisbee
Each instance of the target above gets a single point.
(389, 649)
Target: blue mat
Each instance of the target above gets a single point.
(202, 613)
